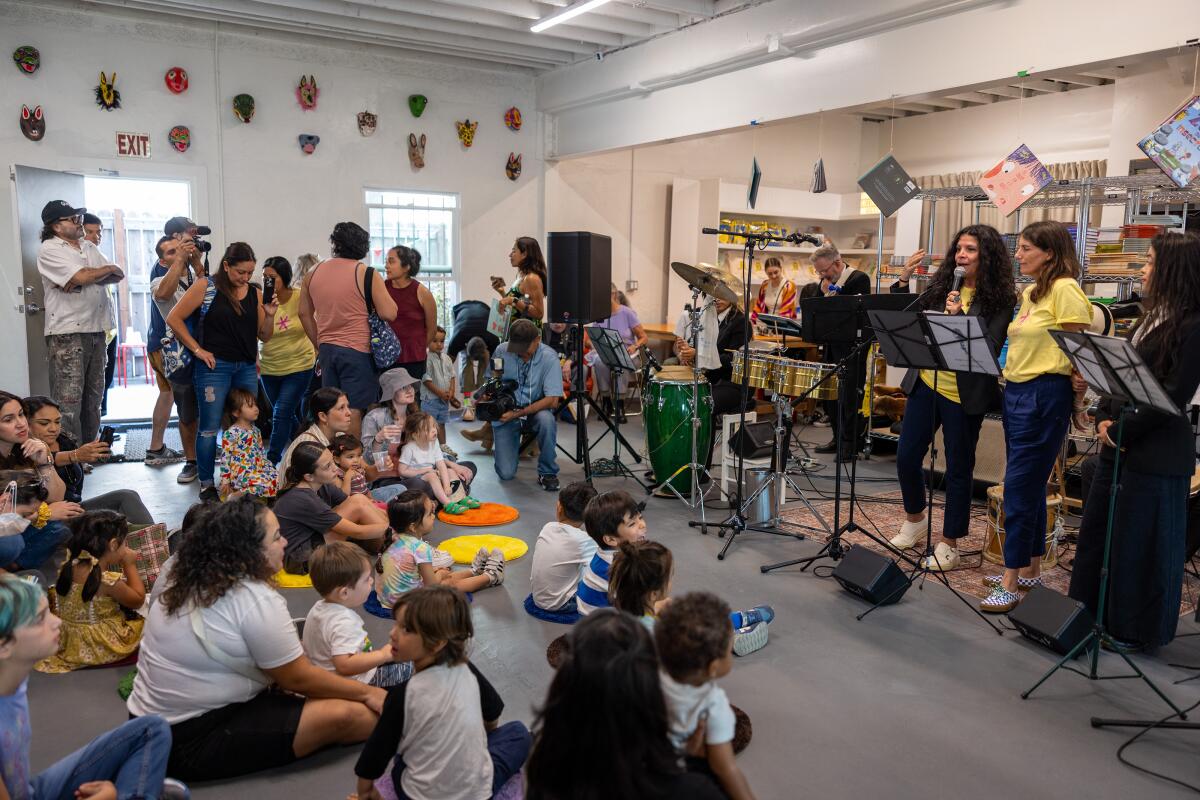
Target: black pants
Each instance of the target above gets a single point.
(110, 368)
(846, 422)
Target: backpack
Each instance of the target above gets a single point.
(177, 359)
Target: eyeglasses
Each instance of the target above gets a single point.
(77, 219)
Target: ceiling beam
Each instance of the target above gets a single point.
(1108, 73)
(944, 102)
(1076, 78)
(974, 97)
(919, 108)
(1002, 91)
(690, 8)
(1043, 86)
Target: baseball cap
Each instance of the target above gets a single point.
(178, 225)
(521, 334)
(394, 380)
(59, 209)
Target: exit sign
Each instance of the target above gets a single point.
(133, 145)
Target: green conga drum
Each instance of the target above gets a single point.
(667, 404)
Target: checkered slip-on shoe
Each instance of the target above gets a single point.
(1023, 584)
(1000, 601)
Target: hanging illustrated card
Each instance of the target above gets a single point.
(888, 185)
(1175, 145)
(1018, 177)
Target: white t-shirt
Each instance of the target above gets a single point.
(83, 309)
(176, 677)
(334, 630)
(559, 556)
(710, 325)
(413, 455)
(166, 306)
(444, 742)
(685, 704)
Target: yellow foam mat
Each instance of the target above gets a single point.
(464, 548)
(287, 580)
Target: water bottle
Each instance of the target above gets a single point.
(744, 619)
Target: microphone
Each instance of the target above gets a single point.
(960, 272)
(650, 359)
(797, 238)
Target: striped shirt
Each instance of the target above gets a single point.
(593, 586)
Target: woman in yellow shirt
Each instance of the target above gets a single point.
(1038, 399)
(285, 363)
(961, 399)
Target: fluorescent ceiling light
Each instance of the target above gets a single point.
(570, 12)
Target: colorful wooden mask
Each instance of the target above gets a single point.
(417, 103)
(27, 58)
(466, 131)
(180, 138)
(33, 124)
(416, 150)
(176, 80)
(513, 168)
(307, 92)
(512, 118)
(367, 122)
(309, 142)
(243, 107)
(107, 96)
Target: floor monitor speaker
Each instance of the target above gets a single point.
(872, 576)
(1051, 619)
(579, 265)
(753, 440)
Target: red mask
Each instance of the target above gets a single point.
(176, 80)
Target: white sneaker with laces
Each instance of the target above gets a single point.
(910, 533)
(944, 559)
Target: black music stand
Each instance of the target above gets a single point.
(611, 350)
(1114, 369)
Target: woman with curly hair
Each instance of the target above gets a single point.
(221, 660)
(952, 401)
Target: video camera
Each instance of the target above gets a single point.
(494, 398)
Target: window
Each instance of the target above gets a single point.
(426, 222)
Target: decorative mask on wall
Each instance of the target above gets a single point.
(466, 131)
(512, 118)
(367, 122)
(417, 103)
(33, 124)
(416, 150)
(176, 80)
(309, 142)
(513, 168)
(27, 58)
(307, 92)
(180, 137)
(107, 96)
(243, 107)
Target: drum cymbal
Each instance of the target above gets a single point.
(711, 281)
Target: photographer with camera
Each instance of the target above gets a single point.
(522, 399)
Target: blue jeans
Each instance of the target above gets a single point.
(507, 441)
(133, 756)
(40, 544)
(10, 548)
(1036, 416)
(508, 746)
(212, 387)
(437, 408)
(286, 394)
(960, 434)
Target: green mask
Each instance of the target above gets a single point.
(417, 103)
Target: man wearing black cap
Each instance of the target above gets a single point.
(536, 370)
(78, 312)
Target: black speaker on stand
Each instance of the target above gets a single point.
(579, 265)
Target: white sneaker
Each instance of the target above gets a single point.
(910, 533)
(944, 559)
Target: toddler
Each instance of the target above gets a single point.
(695, 647)
(610, 518)
(440, 391)
(98, 581)
(348, 456)
(640, 580)
(247, 468)
(562, 550)
(476, 369)
(408, 562)
(421, 458)
(335, 638)
(440, 726)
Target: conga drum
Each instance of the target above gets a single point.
(993, 546)
(667, 405)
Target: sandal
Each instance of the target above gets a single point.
(455, 508)
(470, 502)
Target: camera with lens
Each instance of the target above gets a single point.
(495, 398)
(201, 245)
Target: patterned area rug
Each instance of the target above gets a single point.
(883, 515)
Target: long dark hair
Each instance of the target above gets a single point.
(606, 706)
(995, 288)
(303, 462)
(226, 549)
(534, 261)
(1054, 238)
(16, 458)
(639, 570)
(322, 401)
(236, 253)
(1172, 298)
(409, 257)
(29, 485)
(91, 534)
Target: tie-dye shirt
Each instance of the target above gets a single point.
(400, 570)
(14, 743)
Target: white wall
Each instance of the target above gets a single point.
(251, 182)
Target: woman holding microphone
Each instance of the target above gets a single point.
(960, 400)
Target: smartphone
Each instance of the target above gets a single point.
(268, 290)
(107, 434)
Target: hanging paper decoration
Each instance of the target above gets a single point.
(107, 96)
(33, 124)
(309, 142)
(417, 103)
(27, 58)
(416, 150)
(466, 131)
(1016, 179)
(243, 107)
(180, 138)
(1172, 145)
(307, 92)
(176, 80)
(818, 179)
(513, 168)
(367, 122)
(512, 118)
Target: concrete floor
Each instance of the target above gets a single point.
(919, 700)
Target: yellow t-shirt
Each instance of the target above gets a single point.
(1031, 351)
(289, 349)
(947, 382)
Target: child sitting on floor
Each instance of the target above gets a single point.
(694, 636)
(335, 638)
(640, 580)
(422, 458)
(610, 518)
(440, 726)
(98, 579)
(408, 563)
(348, 456)
(561, 552)
(247, 468)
